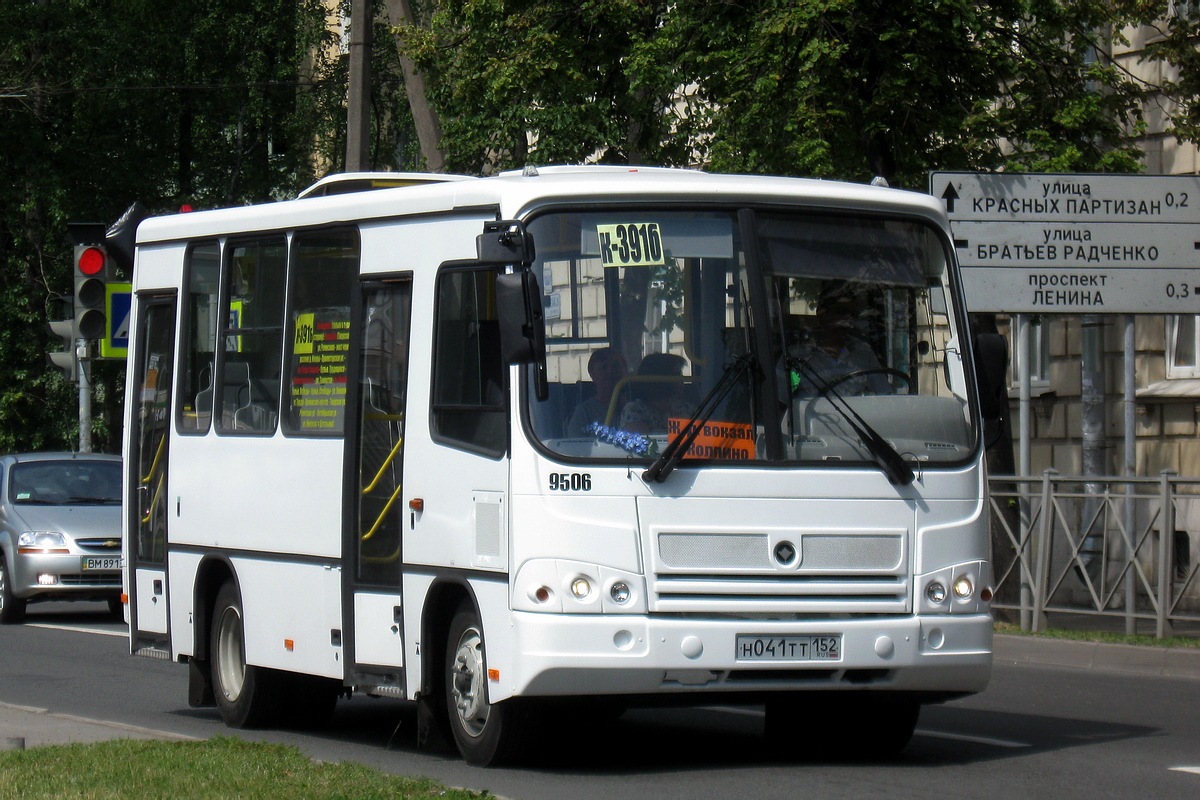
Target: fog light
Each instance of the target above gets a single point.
(620, 592)
(963, 588)
(936, 593)
(541, 594)
(581, 587)
(47, 580)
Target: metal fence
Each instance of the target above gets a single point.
(1116, 548)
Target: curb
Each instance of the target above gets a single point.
(1159, 662)
(22, 727)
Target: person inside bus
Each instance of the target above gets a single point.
(606, 367)
(840, 356)
(657, 400)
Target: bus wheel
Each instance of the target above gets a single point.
(486, 733)
(246, 696)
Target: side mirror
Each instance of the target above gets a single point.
(504, 242)
(120, 236)
(522, 324)
(991, 366)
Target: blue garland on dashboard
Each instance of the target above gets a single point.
(634, 443)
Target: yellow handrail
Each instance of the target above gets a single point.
(162, 446)
(387, 462)
(386, 508)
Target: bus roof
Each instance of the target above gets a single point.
(513, 194)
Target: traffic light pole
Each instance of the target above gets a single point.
(85, 397)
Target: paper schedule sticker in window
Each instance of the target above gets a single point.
(725, 440)
(631, 244)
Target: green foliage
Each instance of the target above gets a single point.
(219, 767)
(831, 88)
(108, 102)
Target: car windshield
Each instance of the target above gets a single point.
(65, 482)
(792, 336)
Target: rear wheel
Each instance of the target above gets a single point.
(12, 609)
(486, 733)
(246, 696)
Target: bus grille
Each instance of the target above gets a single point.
(838, 572)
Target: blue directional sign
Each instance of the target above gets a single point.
(118, 303)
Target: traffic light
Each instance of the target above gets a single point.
(62, 325)
(92, 272)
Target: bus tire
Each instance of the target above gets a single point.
(246, 696)
(485, 733)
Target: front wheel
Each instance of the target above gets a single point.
(246, 696)
(486, 733)
(12, 608)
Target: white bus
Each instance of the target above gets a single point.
(365, 453)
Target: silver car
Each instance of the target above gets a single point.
(60, 530)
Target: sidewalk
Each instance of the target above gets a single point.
(23, 727)
(1152, 662)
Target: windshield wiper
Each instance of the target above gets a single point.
(892, 463)
(675, 450)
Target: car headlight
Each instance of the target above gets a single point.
(42, 540)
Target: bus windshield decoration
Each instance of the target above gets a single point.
(638, 436)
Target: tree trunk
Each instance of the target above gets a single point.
(425, 118)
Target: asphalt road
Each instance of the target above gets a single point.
(1036, 732)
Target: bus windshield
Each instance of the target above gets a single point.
(765, 336)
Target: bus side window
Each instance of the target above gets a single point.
(195, 395)
(252, 335)
(468, 372)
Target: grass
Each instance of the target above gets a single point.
(220, 767)
(1103, 637)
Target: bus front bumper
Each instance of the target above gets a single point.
(569, 655)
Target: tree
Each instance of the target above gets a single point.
(831, 88)
(107, 102)
(1177, 48)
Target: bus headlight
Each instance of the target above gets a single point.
(620, 592)
(935, 592)
(550, 585)
(959, 589)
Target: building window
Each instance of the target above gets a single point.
(1182, 346)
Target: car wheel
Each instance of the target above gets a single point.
(12, 609)
(486, 733)
(246, 696)
(116, 608)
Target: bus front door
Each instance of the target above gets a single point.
(374, 530)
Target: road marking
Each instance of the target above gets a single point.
(1189, 770)
(959, 737)
(75, 629)
(962, 737)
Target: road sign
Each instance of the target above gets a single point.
(118, 304)
(1075, 243)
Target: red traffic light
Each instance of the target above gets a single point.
(91, 261)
